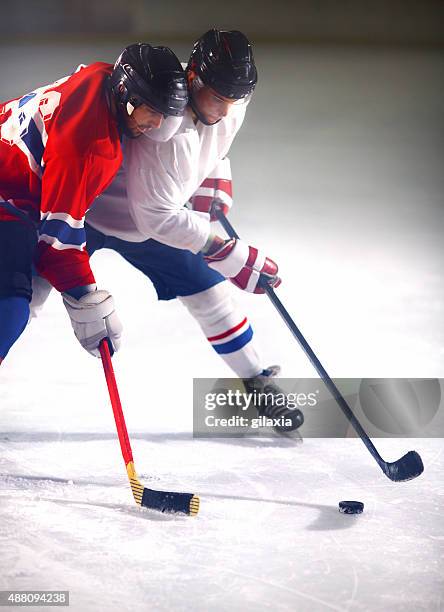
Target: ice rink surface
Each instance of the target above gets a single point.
(338, 174)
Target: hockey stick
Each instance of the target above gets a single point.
(165, 501)
(408, 466)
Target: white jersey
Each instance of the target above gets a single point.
(147, 197)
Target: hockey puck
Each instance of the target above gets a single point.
(351, 507)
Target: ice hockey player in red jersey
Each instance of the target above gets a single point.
(60, 147)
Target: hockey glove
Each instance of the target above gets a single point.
(216, 190)
(93, 318)
(242, 264)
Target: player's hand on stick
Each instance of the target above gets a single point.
(93, 318)
(244, 265)
(216, 190)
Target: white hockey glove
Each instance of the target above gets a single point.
(216, 189)
(244, 265)
(93, 318)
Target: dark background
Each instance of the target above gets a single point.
(377, 21)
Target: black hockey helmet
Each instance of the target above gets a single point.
(149, 75)
(223, 59)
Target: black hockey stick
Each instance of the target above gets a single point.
(407, 467)
(164, 501)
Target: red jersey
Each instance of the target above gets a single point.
(59, 149)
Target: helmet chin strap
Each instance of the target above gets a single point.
(121, 108)
(192, 87)
(121, 121)
(199, 115)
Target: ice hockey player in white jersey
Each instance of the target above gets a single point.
(143, 216)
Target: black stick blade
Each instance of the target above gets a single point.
(168, 501)
(408, 467)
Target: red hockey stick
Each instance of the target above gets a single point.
(165, 501)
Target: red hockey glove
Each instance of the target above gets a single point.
(215, 189)
(242, 264)
(211, 192)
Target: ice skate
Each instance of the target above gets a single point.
(286, 420)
